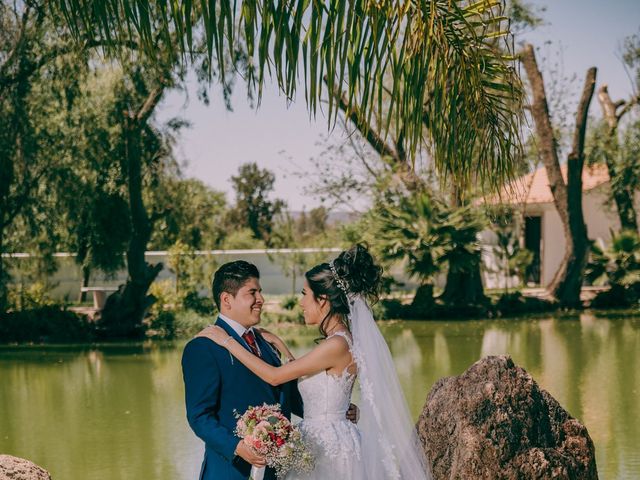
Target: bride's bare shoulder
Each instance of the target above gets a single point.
(338, 342)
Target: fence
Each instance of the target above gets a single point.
(272, 263)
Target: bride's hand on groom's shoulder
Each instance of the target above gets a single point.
(215, 333)
(277, 343)
(270, 337)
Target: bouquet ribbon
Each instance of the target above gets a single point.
(257, 473)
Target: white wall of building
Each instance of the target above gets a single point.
(600, 216)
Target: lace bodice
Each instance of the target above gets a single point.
(334, 440)
(326, 397)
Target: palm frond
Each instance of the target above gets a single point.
(442, 56)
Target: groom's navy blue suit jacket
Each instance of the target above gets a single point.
(215, 387)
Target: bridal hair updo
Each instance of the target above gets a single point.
(353, 272)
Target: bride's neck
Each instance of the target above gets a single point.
(335, 324)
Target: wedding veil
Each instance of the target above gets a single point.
(390, 446)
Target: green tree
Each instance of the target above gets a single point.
(138, 147)
(98, 227)
(305, 231)
(253, 208)
(617, 146)
(461, 184)
(420, 229)
(194, 214)
(458, 233)
(38, 65)
(193, 272)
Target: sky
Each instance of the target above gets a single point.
(282, 136)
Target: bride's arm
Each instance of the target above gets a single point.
(323, 357)
(278, 343)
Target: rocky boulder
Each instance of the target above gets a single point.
(14, 468)
(494, 422)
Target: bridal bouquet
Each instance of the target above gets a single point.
(267, 431)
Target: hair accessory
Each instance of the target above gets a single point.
(341, 283)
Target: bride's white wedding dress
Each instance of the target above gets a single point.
(334, 441)
(384, 445)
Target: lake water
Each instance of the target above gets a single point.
(116, 412)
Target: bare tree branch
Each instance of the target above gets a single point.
(628, 106)
(581, 115)
(150, 104)
(608, 107)
(567, 197)
(544, 129)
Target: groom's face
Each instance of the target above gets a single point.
(246, 306)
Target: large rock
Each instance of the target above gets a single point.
(14, 468)
(494, 422)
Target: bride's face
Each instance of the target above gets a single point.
(313, 310)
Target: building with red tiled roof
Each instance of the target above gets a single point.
(533, 188)
(542, 231)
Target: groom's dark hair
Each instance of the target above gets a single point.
(230, 278)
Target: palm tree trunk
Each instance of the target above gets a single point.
(464, 288)
(464, 285)
(567, 197)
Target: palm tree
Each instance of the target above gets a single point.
(618, 266)
(429, 236)
(436, 63)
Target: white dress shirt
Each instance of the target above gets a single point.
(239, 329)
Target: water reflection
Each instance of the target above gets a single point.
(98, 413)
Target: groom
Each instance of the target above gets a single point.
(216, 386)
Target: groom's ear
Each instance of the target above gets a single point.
(225, 300)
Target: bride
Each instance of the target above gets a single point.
(384, 445)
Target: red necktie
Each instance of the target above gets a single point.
(250, 338)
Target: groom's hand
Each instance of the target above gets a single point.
(248, 455)
(353, 414)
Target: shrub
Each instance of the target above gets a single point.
(514, 303)
(201, 305)
(52, 324)
(618, 266)
(162, 325)
(34, 296)
(187, 323)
